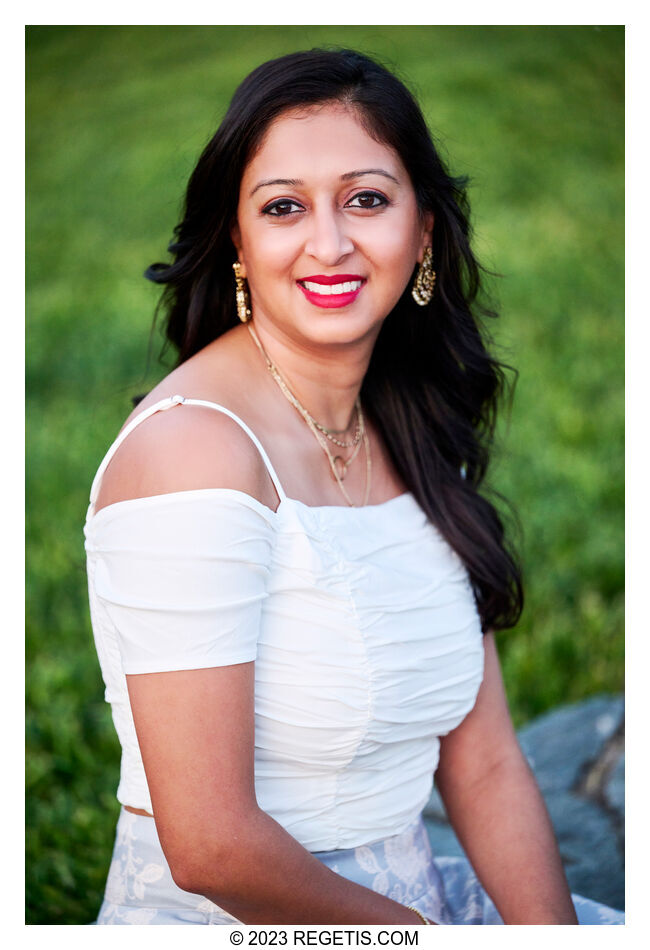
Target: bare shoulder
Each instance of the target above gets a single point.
(185, 448)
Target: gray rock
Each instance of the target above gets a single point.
(434, 809)
(615, 788)
(588, 845)
(559, 744)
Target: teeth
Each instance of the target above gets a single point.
(326, 289)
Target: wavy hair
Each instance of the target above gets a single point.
(432, 388)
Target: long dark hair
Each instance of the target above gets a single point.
(431, 388)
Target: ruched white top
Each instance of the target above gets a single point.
(361, 621)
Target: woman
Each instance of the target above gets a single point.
(294, 581)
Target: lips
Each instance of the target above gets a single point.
(337, 290)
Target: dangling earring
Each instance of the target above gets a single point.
(241, 295)
(425, 280)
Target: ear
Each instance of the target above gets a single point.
(235, 237)
(427, 234)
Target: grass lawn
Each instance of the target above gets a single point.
(116, 119)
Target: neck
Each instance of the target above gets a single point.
(325, 379)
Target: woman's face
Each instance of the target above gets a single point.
(328, 231)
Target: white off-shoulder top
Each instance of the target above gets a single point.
(361, 622)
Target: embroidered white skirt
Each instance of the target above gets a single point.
(140, 889)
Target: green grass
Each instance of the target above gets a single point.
(116, 118)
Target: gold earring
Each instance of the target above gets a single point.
(241, 295)
(425, 279)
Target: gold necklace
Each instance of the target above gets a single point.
(334, 461)
(328, 433)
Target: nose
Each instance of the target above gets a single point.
(328, 241)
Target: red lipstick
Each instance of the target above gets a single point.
(329, 300)
(332, 279)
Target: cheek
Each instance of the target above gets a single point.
(396, 249)
(269, 251)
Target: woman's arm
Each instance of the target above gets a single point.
(196, 734)
(498, 813)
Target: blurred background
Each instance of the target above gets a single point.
(116, 118)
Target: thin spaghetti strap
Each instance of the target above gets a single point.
(249, 432)
(168, 403)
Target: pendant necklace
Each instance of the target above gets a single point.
(338, 464)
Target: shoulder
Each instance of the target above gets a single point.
(183, 448)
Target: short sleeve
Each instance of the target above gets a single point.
(181, 580)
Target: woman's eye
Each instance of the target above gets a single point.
(281, 208)
(367, 199)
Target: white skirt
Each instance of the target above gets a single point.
(140, 889)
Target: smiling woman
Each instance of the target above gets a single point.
(350, 203)
(294, 578)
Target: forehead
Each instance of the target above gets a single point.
(319, 139)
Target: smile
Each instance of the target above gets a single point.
(329, 292)
(344, 288)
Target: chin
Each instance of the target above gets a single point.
(339, 325)
(341, 333)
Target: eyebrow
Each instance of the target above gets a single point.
(348, 176)
(369, 171)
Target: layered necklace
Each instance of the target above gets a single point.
(338, 464)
